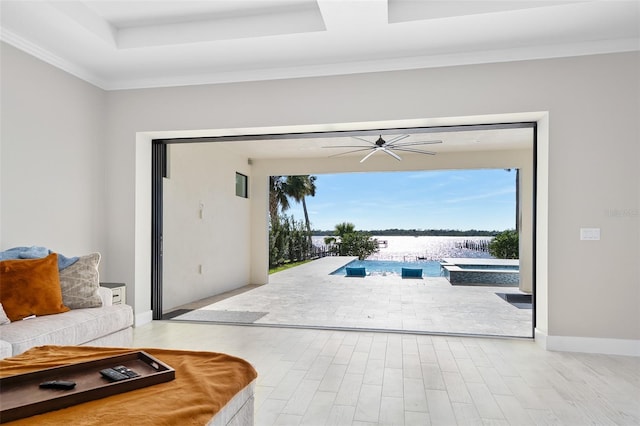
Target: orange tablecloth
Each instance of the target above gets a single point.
(204, 383)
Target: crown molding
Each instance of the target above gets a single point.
(50, 58)
(386, 65)
(330, 69)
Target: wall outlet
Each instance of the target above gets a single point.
(589, 234)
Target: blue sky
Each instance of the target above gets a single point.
(460, 199)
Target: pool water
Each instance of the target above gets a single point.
(430, 268)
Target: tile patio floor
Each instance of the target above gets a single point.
(308, 296)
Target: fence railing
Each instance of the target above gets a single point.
(477, 245)
(317, 252)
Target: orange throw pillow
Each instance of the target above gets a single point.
(31, 287)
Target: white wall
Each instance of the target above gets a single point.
(589, 156)
(204, 254)
(52, 146)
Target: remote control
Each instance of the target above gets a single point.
(118, 373)
(58, 384)
(126, 371)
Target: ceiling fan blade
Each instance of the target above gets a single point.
(348, 146)
(393, 154)
(349, 152)
(364, 140)
(369, 155)
(396, 139)
(415, 143)
(419, 151)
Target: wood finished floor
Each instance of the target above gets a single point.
(324, 377)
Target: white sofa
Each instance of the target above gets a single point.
(109, 325)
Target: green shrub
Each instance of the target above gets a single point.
(359, 244)
(288, 241)
(505, 245)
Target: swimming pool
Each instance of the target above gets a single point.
(490, 272)
(430, 268)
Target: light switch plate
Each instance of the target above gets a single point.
(589, 234)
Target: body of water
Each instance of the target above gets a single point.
(408, 249)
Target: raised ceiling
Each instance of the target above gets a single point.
(133, 44)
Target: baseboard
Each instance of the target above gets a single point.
(143, 318)
(540, 337)
(592, 345)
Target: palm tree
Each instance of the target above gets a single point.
(298, 188)
(341, 230)
(277, 197)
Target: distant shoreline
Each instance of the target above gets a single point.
(419, 233)
(425, 247)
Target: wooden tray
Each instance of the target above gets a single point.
(21, 396)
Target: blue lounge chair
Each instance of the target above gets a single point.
(356, 272)
(411, 272)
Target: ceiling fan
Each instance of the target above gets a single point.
(386, 146)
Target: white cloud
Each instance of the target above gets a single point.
(482, 196)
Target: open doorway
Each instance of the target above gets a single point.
(266, 165)
(439, 223)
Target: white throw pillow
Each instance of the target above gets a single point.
(80, 282)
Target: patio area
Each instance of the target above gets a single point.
(307, 296)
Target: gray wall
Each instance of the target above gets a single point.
(52, 150)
